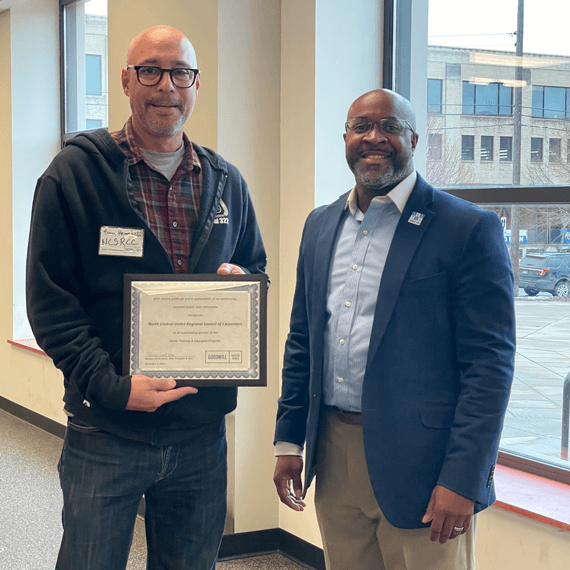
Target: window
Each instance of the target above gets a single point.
(93, 124)
(434, 150)
(83, 64)
(535, 150)
(497, 86)
(487, 99)
(550, 102)
(467, 147)
(434, 95)
(486, 148)
(93, 74)
(555, 151)
(506, 149)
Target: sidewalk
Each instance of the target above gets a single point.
(533, 424)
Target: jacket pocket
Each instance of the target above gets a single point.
(437, 415)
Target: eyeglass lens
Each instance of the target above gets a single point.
(152, 75)
(390, 126)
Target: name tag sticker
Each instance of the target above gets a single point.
(124, 242)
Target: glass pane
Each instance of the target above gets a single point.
(491, 90)
(487, 148)
(467, 147)
(468, 98)
(487, 99)
(536, 150)
(505, 100)
(85, 69)
(537, 101)
(555, 150)
(554, 103)
(506, 150)
(533, 425)
(434, 95)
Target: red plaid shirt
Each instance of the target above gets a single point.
(170, 208)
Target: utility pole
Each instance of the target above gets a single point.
(517, 144)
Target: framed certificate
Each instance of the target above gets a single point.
(201, 330)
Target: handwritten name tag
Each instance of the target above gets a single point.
(125, 242)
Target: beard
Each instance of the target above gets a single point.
(374, 179)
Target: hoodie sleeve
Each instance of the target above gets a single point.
(55, 304)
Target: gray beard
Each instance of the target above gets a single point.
(377, 181)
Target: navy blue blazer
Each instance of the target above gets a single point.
(441, 356)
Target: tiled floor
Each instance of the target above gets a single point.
(30, 505)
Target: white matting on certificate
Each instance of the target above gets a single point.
(201, 330)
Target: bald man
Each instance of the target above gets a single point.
(185, 210)
(399, 360)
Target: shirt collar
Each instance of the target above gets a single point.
(125, 139)
(399, 195)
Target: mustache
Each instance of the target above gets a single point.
(164, 102)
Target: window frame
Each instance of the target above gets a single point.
(489, 148)
(64, 137)
(509, 149)
(438, 105)
(495, 195)
(540, 158)
(554, 158)
(472, 155)
(542, 108)
(473, 106)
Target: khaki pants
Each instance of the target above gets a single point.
(355, 533)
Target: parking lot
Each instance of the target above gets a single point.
(533, 425)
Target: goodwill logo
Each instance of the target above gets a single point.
(222, 214)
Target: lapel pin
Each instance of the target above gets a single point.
(416, 218)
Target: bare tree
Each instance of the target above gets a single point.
(444, 167)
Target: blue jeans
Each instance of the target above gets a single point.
(103, 478)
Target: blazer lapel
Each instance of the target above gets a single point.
(323, 250)
(409, 233)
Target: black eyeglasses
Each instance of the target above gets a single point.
(149, 75)
(389, 126)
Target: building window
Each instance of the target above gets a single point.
(550, 102)
(434, 95)
(535, 150)
(93, 74)
(555, 150)
(506, 149)
(491, 99)
(435, 147)
(467, 147)
(93, 123)
(486, 148)
(83, 64)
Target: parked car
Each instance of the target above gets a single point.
(548, 272)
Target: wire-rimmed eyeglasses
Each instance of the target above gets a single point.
(149, 75)
(389, 126)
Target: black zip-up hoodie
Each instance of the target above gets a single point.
(75, 296)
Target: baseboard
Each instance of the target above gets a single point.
(239, 545)
(51, 426)
(256, 543)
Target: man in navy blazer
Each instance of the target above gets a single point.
(399, 360)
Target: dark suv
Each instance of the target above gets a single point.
(548, 272)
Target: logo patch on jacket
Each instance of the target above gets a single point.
(222, 214)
